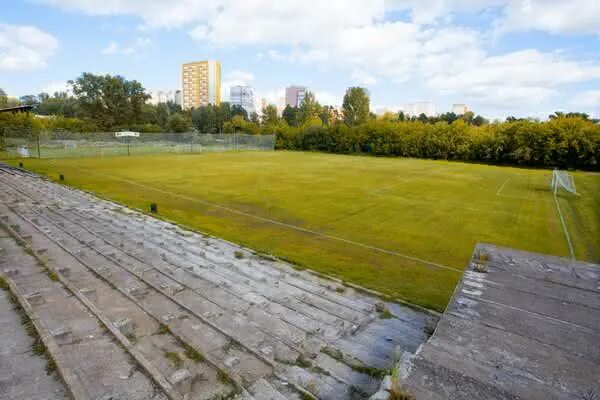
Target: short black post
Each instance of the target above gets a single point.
(61, 177)
(20, 165)
(153, 208)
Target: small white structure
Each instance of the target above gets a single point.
(563, 179)
(127, 134)
(459, 109)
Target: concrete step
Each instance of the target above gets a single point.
(262, 390)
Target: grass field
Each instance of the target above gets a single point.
(404, 227)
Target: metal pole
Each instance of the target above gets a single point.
(128, 140)
(38, 145)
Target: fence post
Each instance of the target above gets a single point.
(38, 145)
(191, 142)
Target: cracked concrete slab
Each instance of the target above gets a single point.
(527, 328)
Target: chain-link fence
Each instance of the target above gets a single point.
(20, 143)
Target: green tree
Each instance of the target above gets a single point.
(59, 104)
(109, 100)
(269, 115)
(356, 106)
(236, 109)
(327, 115)
(204, 119)
(179, 122)
(289, 114)
(29, 100)
(223, 114)
(309, 109)
(3, 98)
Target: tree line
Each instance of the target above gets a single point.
(565, 140)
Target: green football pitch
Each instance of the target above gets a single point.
(403, 227)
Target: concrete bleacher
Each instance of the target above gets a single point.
(259, 320)
(522, 326)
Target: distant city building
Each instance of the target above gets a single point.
(459, 109)
(416, 109)
(178, 98)
(243, 96)
(161, 96)
(263, 103)
(201, 83)
(294, 95)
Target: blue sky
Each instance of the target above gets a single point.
(501, 57)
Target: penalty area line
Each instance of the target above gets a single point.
(502, 187)
(275, 222)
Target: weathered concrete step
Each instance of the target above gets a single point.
(193, 331)
(196, 301)
(18, 364)
(262, 390)
(74, 338)
(261, 303)
(213, 256)
(346, 374)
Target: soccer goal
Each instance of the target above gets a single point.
(562, 179)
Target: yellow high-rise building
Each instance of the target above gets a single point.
(201, 83)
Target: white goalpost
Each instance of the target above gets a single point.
(562, 179)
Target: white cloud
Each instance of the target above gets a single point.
(431, 11)
(154, 13)
(114, 48)
(239, 75)
(55, 86)
(589, 100)
(520, 78)
(199, 33)
(25, 48)
(553, 16)
(355, 39)
(363, 78)
(327, 98)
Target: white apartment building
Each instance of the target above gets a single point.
(242, 96)
(416, 109)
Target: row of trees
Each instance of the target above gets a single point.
(109, 103)
(566, 140)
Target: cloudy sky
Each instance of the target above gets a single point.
(501, 57)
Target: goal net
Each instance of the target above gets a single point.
(562, 179)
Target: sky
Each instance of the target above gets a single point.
(500, 57)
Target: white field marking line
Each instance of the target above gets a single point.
(502, 187)
(564, 226)
(299, 228)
